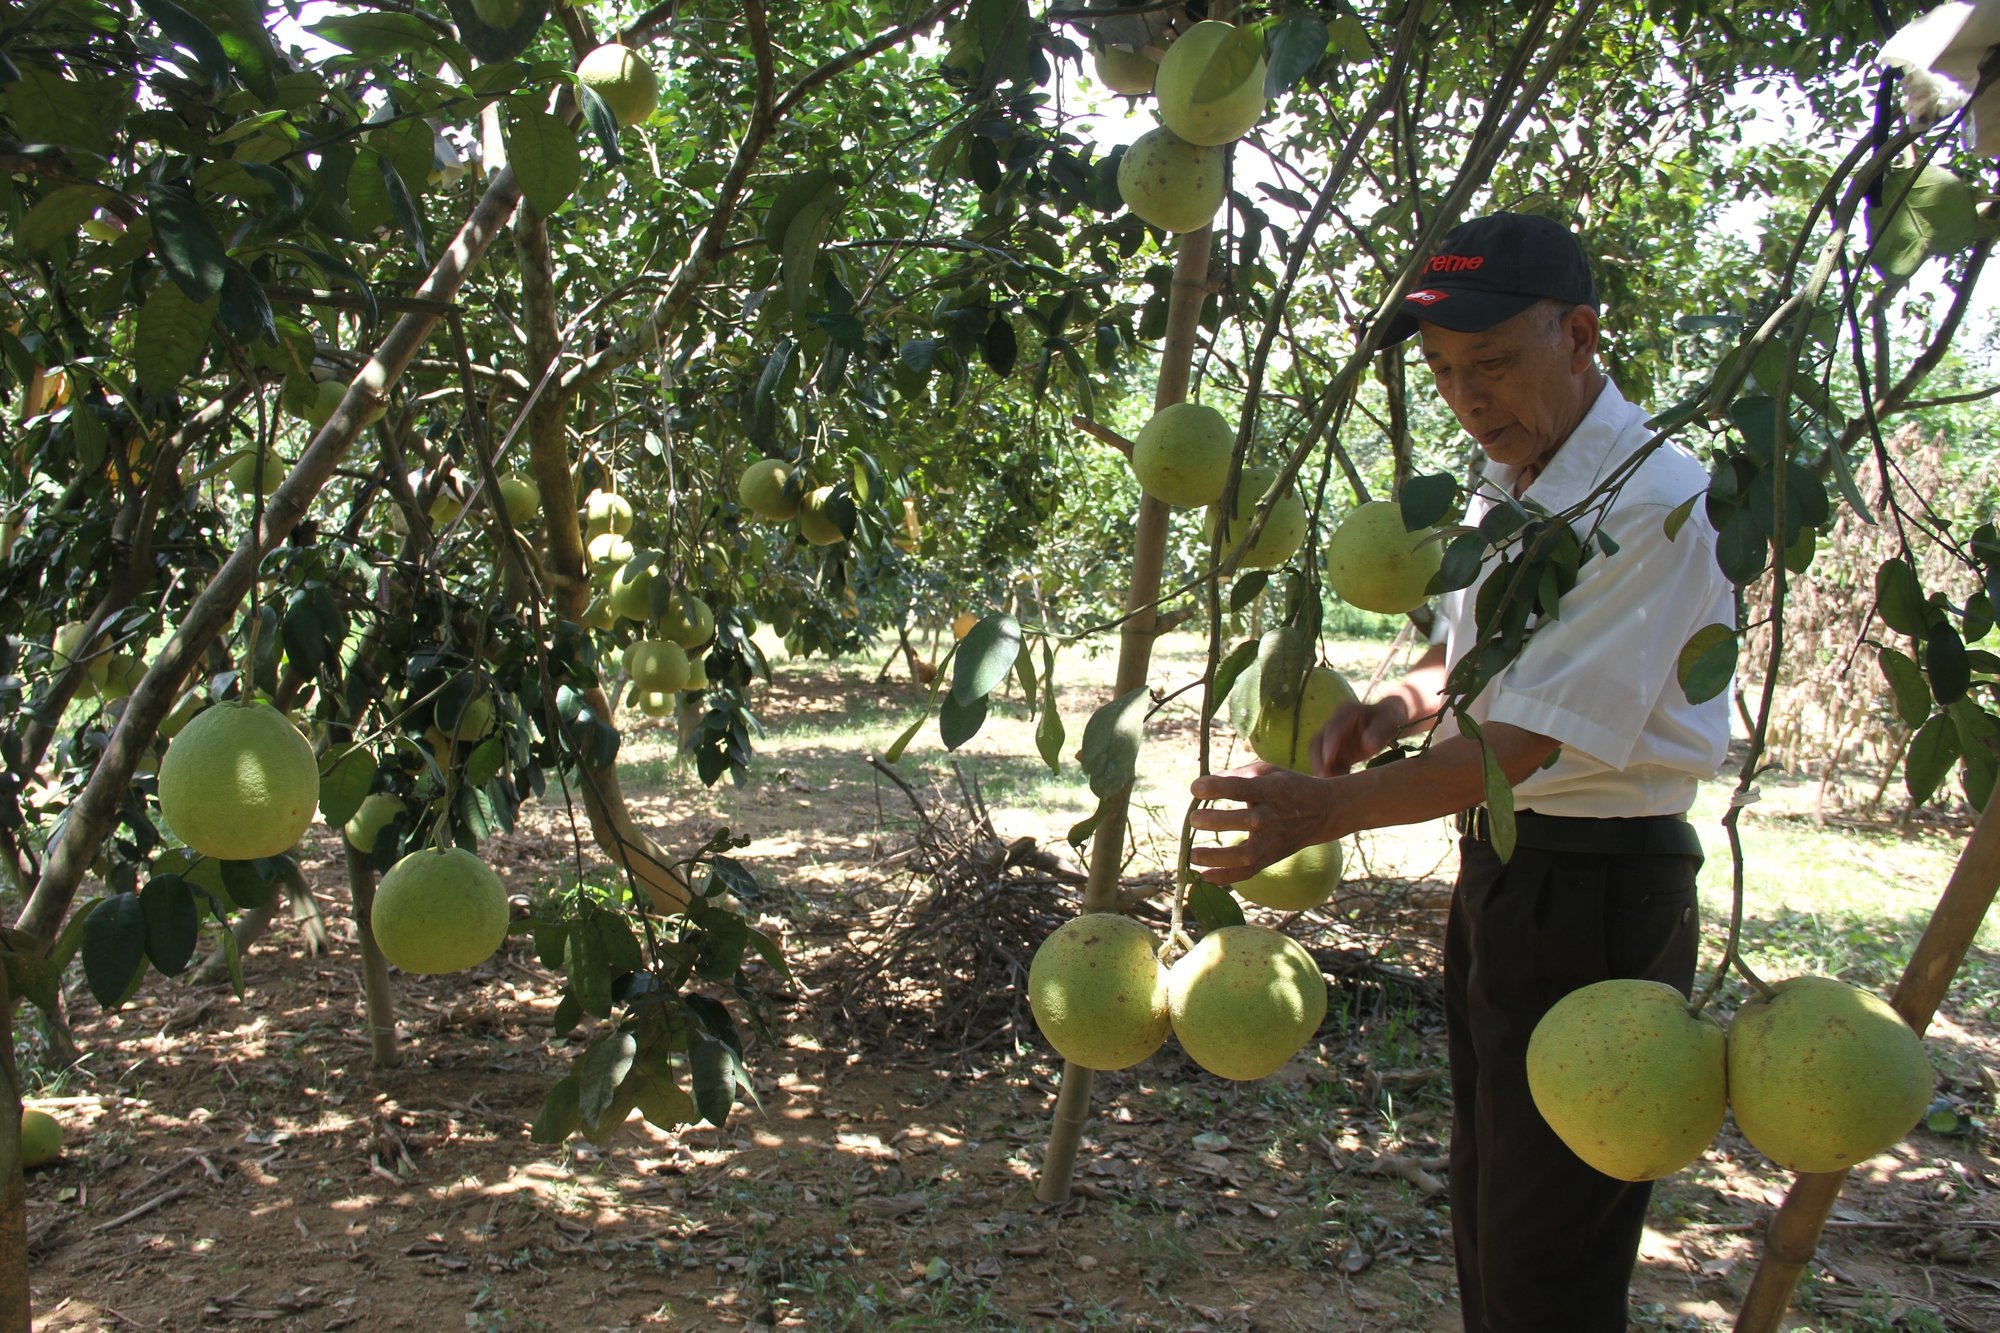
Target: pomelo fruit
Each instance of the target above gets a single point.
(657, 666)
(522, 499)
(962, 623)
(621, 76)
(1170, 183)
(656, 704)
(326, 397)
(1098, 992)
(1210, 85)
(239, 782)
(122, 674)
(1823, 1075)
(253, 472)
(1283, 734)
(1245, 1000)
(446, 506)
(631, 591)
(68, 647)
(1182, 454)
(376, 812)
(598, 614)
(606, 511)
(439, 912)
(761, 488)
(1372, 562)
(1307, 878)
(607, 551)
(815, 523)
(41, 1138)
(464, 710)
(687, 620)
(1128, 72)
(1628, 1078)
(498, 13)
(697, 677)
(1284, 532)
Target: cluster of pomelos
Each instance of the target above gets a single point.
(1820, 1075)
(1241, 1003)
(239, 782)
(1208, 88)
(675, 624)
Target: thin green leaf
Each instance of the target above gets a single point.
(985, 656)
(1906, 682)
(114, 948)
(1110, 752)
(959, 723)
(1706, 663)
(1932, 752)
(186, 240)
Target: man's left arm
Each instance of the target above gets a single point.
(1283, 811)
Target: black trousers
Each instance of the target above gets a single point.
(1545, 1243)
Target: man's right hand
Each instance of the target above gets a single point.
(1358, 732)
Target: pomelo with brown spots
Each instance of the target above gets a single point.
(1629, 1079)
(1245, 1000)
(1098, 992)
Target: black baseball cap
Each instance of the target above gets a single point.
(1490, 269)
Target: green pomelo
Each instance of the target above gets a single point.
(657, 666)
(1284, 531)
(815, 523)
(697, 677)
(1245, 1000)
(376, 812)
(1373, 563)
(605, 512)
(326, 397)
(761, 488)
(1283, 734)
(1182, 454)
(632, 587)
(1170, 183)
(1628, 1078)
(522, 498)
(464, 710)
(499, 13)
(621, 76)
(445, 508)
(687, 620)
(122, 674)
(68, 647)
(598, 614)
(41, 1138)
(255, 472)
(239, 782)
(1128, 72)
(1824, 1075)
(1307, 878)
(656, 704)
(1210, 86)
(1098, 992)
(607, 552)
(439, 912)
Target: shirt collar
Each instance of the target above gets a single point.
(1576, 467)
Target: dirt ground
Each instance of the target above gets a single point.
(236, 1163)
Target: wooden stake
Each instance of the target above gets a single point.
(1135, 659)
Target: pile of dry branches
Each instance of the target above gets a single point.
(947, 972)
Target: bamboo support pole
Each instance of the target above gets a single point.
(1795, 1228)
(1135, 659)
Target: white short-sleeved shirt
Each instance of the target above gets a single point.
(1601, 677)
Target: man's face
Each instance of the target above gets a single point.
(1520, 387)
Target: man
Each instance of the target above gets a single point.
(1590, 726)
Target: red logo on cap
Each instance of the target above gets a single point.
(1456, 263)
(1427, 297)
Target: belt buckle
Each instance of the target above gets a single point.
(1476, 823)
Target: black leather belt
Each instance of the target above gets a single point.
(1646, 835)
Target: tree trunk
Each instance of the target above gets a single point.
(1795, 1230)
(378, 992)
(15, 1309)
